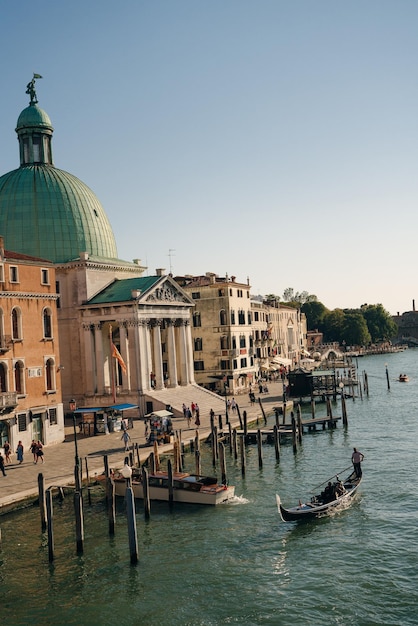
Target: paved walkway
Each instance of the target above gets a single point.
(21, 481)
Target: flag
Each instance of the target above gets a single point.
(117, 355)
(37, 76)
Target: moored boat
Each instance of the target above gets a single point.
(403, 378)
(187, 488)
(336, 493)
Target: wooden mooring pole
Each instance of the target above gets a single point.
(79, 522)
(50, 525)
(145, 487)
(242, 454)
(260, 448)
(42, 507)
(131, 518)
(276, 442)
(222, 463)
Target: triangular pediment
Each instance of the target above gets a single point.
(167, 291)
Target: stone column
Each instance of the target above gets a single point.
(124, 351)
(189, 347)
(184, 370)
(90, 379)
(171, 349)
(98, 340)
(158, 354)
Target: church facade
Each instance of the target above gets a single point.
(122, 334)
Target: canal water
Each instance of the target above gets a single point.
(238, 563)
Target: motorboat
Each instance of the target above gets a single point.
(187, 488)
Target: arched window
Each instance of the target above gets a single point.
(18, 374)
(2, 338)
(242, 341)
(196, 319)
(222, 318)
(16, 323)
(47, 323)
(3, 378)
(50, 375)
(225, 342)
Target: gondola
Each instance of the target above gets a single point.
(336, 493)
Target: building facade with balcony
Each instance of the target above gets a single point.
(30, 373)
(222, 332)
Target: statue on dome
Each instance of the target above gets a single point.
(30, 89)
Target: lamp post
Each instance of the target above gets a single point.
(73, 406)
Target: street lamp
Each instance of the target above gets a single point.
(73, 406)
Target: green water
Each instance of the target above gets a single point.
(238, 563)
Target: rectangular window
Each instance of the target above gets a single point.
(1, 273)
(53, 419)
(243, 362)
(57, 289)
(21, 422)
(221, 292)
(14, 274)
(198, 344)
(45, 277)
(225, 365)
(199, 366)
(196, 295)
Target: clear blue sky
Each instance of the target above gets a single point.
(269, 139)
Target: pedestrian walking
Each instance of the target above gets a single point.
(233, 405)
(2, 465)
(33, 448)
(184, 410)
(19, 452)
(193, 406)
(126, 439)
(7, 452)
(39, 451)
(188, 416)
(197, 420)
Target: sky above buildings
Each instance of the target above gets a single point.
(267, 139)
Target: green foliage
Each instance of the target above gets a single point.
(315, 312)
(379, 322)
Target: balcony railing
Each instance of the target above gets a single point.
(8, 400)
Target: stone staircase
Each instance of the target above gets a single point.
(205, 399)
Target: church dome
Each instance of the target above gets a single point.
(44, 211)
(51, 214)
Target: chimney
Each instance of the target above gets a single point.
(160, 271)
(413, 305)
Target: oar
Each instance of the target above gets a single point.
(333, 476)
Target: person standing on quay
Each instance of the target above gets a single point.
(7, 452)
(39, 451)
(356, 459)
(19, 452)
(2, 465)
(126, 438)
(33, 448)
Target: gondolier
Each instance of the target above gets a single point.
(356, 459)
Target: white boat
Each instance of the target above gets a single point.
(187, 488)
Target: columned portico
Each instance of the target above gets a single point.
(150, 329)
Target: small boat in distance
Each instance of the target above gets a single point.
(403, 378)
(336, 493)
(187, 488)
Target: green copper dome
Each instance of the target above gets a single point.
(46, 212)
(33, 116)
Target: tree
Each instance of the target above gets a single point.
(315, 312)
(333, 324)
(354, 330)
(379, 322)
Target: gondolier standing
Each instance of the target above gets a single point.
(356, 459)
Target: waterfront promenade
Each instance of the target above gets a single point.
(21, 481)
